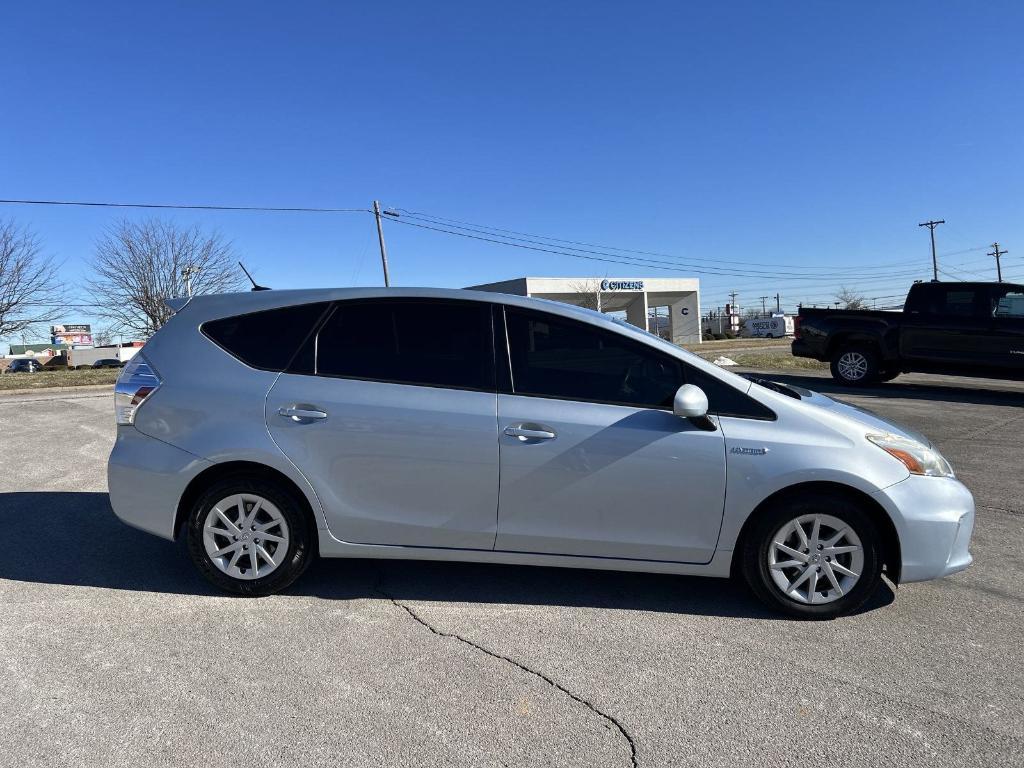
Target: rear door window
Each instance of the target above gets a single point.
(433, 343)
(1008, 302)
(267, 340)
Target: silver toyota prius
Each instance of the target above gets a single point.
(438, 424)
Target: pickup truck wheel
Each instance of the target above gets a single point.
(855, 365)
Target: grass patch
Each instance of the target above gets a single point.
(727, 344)
(769, 360)
(59, 378)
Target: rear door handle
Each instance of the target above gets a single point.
(302, 413)
(526, 432)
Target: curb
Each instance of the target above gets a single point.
(44, 390)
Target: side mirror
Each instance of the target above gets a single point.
(690, 402)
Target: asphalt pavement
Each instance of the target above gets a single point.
(113, 652)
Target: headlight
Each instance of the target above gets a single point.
(918, 458)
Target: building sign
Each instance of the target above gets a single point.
(622, 285)
(71, 335)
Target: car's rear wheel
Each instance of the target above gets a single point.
(814, 556)
(249, 536)
(855, 365)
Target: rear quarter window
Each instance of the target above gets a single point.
(267, 340)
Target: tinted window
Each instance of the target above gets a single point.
(724, 400)
(1008, 302)
(434, 343)
(952, 301)
(554, 357)
(267, 339)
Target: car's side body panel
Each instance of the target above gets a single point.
(393, 463)
(615, 481)
(800, 447)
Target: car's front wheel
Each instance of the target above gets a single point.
(249, 536)
(816, 555)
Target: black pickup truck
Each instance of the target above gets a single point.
(963, 329)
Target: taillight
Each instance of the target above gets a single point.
(796, 327)
(138, 380)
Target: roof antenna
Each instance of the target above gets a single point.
(255, 285)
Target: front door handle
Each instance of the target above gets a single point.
(302, 413)
(528, 432)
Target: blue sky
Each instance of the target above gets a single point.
(806, 139)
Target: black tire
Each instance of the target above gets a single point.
(754, 554)
(300, 536)
(846, 359)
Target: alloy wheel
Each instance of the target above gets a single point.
(853, 366)
(815, 559)
(245, 536)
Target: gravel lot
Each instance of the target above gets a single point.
(113, 652)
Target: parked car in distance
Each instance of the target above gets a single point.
(457, 425)
(24, 365)
(774, 327)
(960, 329)
(107, 362)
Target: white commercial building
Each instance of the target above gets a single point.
(668, 305)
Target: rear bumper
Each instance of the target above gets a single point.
(146, 478)
(934, 518)
(800, 348)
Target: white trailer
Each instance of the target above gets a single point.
(774, 327)
(86, 356)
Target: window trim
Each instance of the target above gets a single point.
(489, 344)
(684, 365)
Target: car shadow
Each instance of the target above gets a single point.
(909, 390)
(74, 539)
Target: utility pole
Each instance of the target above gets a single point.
(186, 275)
(380, 238)
(931, 227)
(764, 307)
(997, 253)
(778, 304)
(734, 311)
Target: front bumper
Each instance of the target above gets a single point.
(146, 478)
(934, 518)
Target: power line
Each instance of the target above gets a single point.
(182, 206)
(632, 261)
(512, 234)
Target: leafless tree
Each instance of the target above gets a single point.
(587, 290)
(138, 265)
(850, 299)
(30, 291)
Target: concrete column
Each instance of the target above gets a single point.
(636, 311)
(684, 320)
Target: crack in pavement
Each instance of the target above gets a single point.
(575, 697)
(1001, 509)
